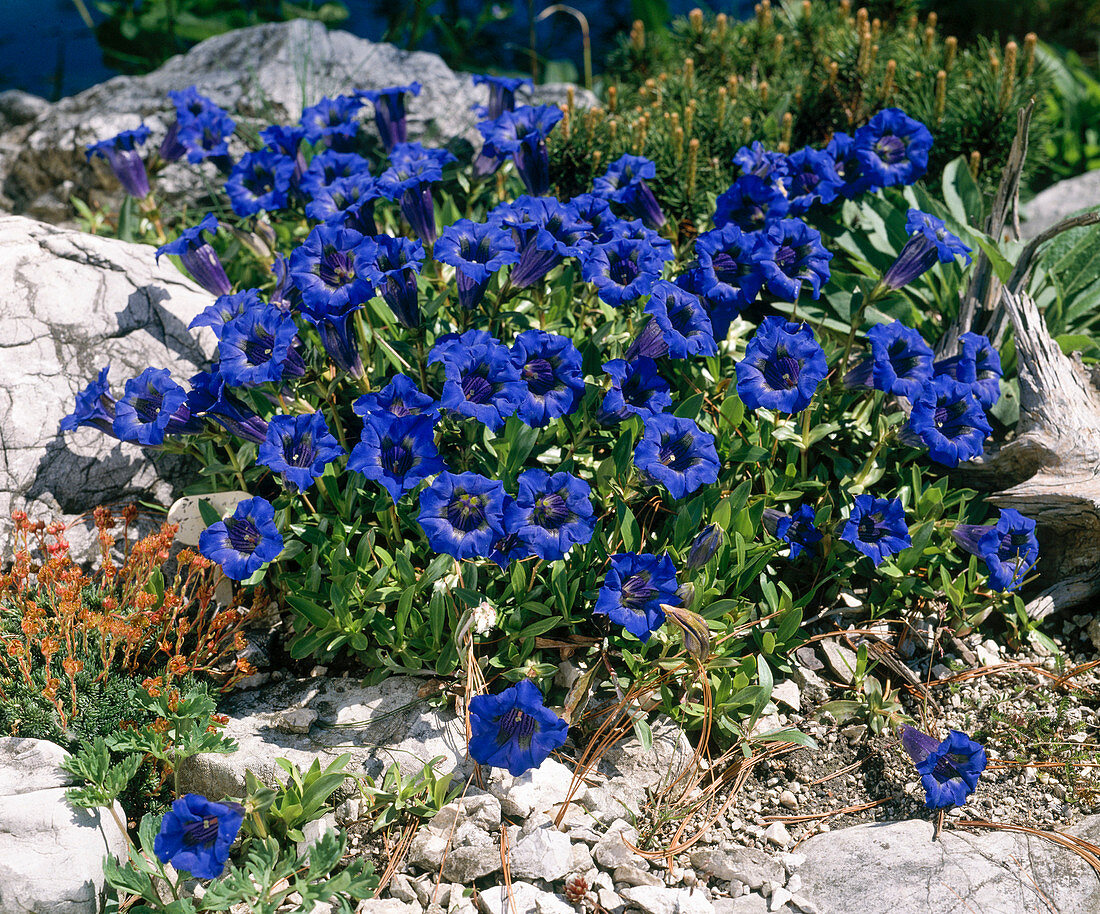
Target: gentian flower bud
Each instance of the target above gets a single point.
(121, 153)
(199, 257)
(389, 112)
(704, 547)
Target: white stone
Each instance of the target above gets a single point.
(777, 834)
(788, 693)
(662, 900)
(778, 899)
(545, 854)
(186, 513)
(523, 899)
(543, 789)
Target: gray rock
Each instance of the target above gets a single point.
(72, 304)
(634, 875)
(263, 74)
(749, 865)
(379, 725)
(51, 853)
(777, 835)
(469, 862)
(313, 831)
(661, 900)
(745, 904)
(841, 660)
(611, 852)
(539, 789)
(18, 107)
(632, 770)
(896, 868)
(482, 810)
(544, 853)
(524, 899)
(385, 906)
(1058, 202)
(401, 889)
(610, 902)
(427, 849)
(778, 899)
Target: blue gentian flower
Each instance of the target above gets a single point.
(892, 148)
(764, 163)
(481, 380)
(258, 347)
(731, 262)
(900, 362)
(244, 542)
(203, 127)
(551, 513)
(594, 215)
(259, 181)
(332, 121)
(327, 167)
(476, 250)
(286, 140)
(624, 182)
(751, 203)
(704, 547)
(977, 364)
(948, 421)
(522, 134)
(798, 530)
(929, 241)
(635, 587)
(400, 397)
(209, 398)
(678, 326)
(509, 548)
(199, 258)
(550, 367)
(333, 268)
(389, 112)
(396, 451)
(847, 166)
(121, 153)
(397, 261)
(812, 180)
(622, 270)
(799, 259)
(949, 769)
(95, 407)
(225, 308)
(1008, 548)
(347, 203)
(514, 729)
(196, 834)
(636, 390)
(782, 368)
(299, 448)
(502, 93)
(677, 454)
(151, 405)
(546, 231)
(462, 514)
(876, 527)
(409, 179)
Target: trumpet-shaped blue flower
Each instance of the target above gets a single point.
(462, 514)
(636, 389)
(799, 260)
(551, 514)
(622, 270)
(225, 308)
(210, 399)
(949, 421)
(635, 587)
(481, 380)
(476, 250)
(347, 203)
(400, 397)
(842, 149)
(245, 541)
(764, 163)
(624, 182)
(299, 448)
(196, 834)
(677, 454)
(812, 180)
(545, 231)
(978, 364)
(876, 527)
(550, 367)
(502, 93)
(731, 271)
(929, 241)
(514, 730)
(678, 327)
(782, 368)
(751, 203)
(121, 153)
(95, 407)
(327, 167)
(892, 148)
(409, 179)
(333, 268)
(152, 405)
(900, 362)
(522, 135)
(949, 769)
(199, 258)
(202, 128)
(389, 112)
(396, 451)
(332, 121)
(258, 347)
(1008, 548)
(798, 530)
(260, 181)
(397, 261)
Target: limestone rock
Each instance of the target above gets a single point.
(661, 900)
(73, 303)
(631, 770)
(1058, 202)
(378, 725)
(51, 853)
(544, 853)
(749, 865)
(525, 899)
(896, 868)
(263, 74)
(538, 789)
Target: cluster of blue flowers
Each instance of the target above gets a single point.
(759, 250)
